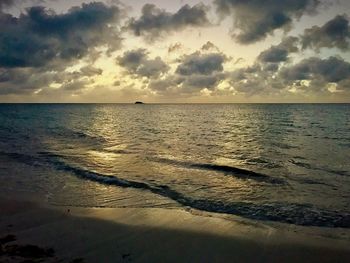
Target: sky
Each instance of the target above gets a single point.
(212, 51)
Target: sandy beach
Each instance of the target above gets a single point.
(72, 234)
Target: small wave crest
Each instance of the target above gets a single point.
(77, 134)
(299, 214)
(230, 170)
(313, 167)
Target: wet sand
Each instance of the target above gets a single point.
(34, 231)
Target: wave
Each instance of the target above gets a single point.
(310, 181)
(77, 134)
(312, 167)
(285, 146)
(230, 170)
(22, 158)
(299, 214)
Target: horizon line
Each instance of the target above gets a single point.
(174, 103)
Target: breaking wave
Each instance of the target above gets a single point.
(293, 213)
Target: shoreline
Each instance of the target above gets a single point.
(159, 235)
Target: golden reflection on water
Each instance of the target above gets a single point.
(103, 156)
(183, 153)
(143, 139)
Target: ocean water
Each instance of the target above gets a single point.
(287, 163)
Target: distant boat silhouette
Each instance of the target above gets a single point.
(139, 102)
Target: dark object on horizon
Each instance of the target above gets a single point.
(139, 102)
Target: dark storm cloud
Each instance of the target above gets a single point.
(335, 33)
(5, 3)
(23, 80)
(209, 46)
(37, 46)
(271, 67)
(41, 36)
(244, 74)
(280, 53)
(267, 79)
(331, 70)
(27, 80)
(137, 62)
(195, 72)
(254, 20)
(274, 54)
(132, 59)
(251, 80)
(199, 82)
(154, 22)
(163, 86)
(198, 63)
(178, 85)
(175, 47)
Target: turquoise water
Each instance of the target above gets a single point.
(279, 162)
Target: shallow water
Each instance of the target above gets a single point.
(279, 162)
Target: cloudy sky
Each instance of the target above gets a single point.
(175, 51)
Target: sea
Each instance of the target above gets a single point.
(285, 163)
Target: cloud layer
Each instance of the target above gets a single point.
(40, 36)
(99, 48)
(137, 62)
(334, 33)
(37, 46)
(155, 21)
(194, 73)
(254, 20)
